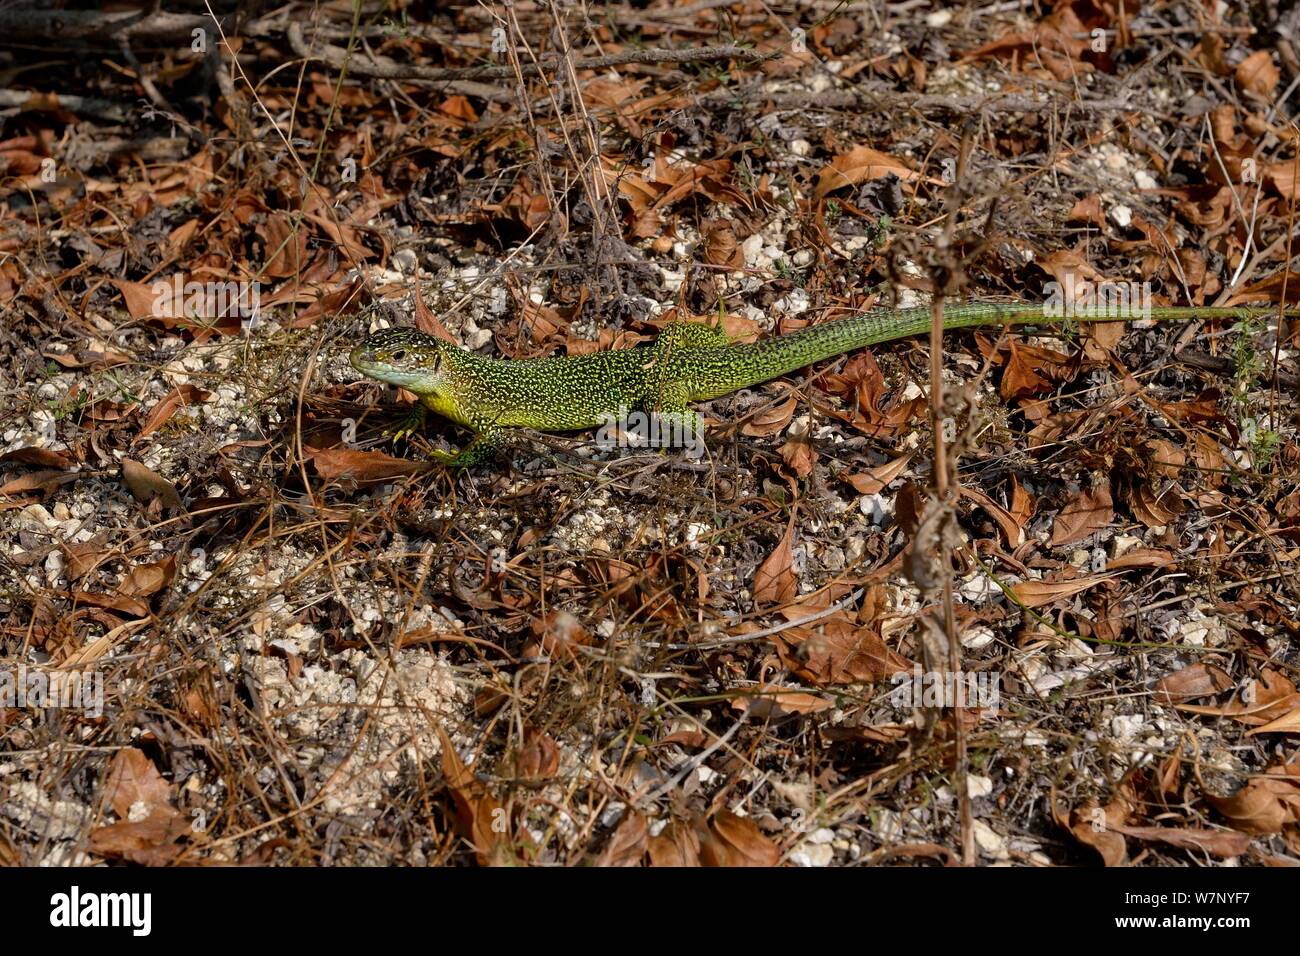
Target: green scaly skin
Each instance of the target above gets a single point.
(688, 362)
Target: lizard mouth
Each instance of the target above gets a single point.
(380, 365)
(368, 362)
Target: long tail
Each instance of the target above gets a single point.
(771, 357)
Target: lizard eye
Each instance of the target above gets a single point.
(399, 354)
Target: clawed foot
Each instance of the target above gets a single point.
(408, 426)
(484, 446)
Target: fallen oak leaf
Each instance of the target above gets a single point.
(874, 480)
(731, 840)
(480, 818)
(1012, 529)
(169, 403)
(628, 843)
(150, 827)
(1188, 683)
(364, 467)
(771, 703)
(1141, 558)
(1271, 696)
(1266, 803)
(46, 482)
(43, 457)
(1258, 74)
(775, 581)
(676, 845)
(1092, 510)
(1288, 723)
(1221, 843)
(859, 165)
(146, 484)
(146, 579)
(769, 421)
(838, 651)
(133, 779)
(1039, 593)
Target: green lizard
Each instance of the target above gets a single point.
(688, 362)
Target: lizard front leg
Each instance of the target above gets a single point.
(675, 424)
(410, 424)
(483, 446)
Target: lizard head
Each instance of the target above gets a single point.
(405, 357)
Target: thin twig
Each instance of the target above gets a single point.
(392, 70)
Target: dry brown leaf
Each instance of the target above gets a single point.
(480, 818)
(285, 242)
(771, 420)
(1108, 843)
(1039, 593)
(1098, 828)
(150, 827)
(873, 480)
(140, 298)
(1209, 52)
(771, 703)
(1284, 177)
(129, 606)
(836, 650)
(153, 841)
(558, 635)
(1198, 680)
(1013, 531)
(46, 482)
(167, 405)
(364, 467)
(1141, 558)
(1258, 74)
(43, 457)
(1092, 510)
(775, 581)
(859, 165)
(83, 558)
(1221, 843)
(146, 484)
(1088, 209)
(1070, 269)
(1167, 459)
(1266, 699)
(132, 779)
(1153, 511)
(676, 845)
(627, 844)
(799, 454)
(1101, 338)
(1270, 289)
(729, 840)
(538, 758)
(1169, 773)
(1288, 723)
(1032, 371)
(1267, 803)
(721, 246)
(146, 579)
